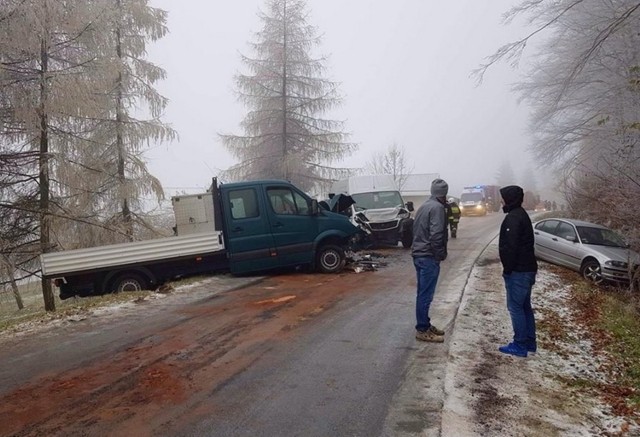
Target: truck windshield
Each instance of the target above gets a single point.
(471, 197)
(380, 199)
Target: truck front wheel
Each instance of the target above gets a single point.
(129, 282)
(407, 239)
(330, 259)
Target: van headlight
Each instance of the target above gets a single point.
(617, 264)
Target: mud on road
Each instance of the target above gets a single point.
(159, 378)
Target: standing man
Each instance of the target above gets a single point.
(429, 247)
(519, 271)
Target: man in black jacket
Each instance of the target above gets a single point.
(519, 270)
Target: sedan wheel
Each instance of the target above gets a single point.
(591, 272)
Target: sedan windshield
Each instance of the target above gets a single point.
(600, 237)
(381, 199)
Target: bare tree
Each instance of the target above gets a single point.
(18, 225)
(529, 180)
(505, 175)
(392, 162)
(584, 90)
(285, 135)
(71, 74)
(125, 27)
(44, 92)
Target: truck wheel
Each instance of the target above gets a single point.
(330, 259)
(129, 282)
(407, 240)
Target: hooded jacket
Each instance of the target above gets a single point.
(430, 232)
(516, 234)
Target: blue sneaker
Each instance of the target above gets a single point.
(513, 349)
(532, 348)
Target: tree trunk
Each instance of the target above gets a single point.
(9, 269)
(45, 242)
(285, 157)
(126, 211)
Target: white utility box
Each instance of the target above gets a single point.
(193, 213)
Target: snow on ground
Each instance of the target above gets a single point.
(69, 313)
(487, 393)
(492, 394)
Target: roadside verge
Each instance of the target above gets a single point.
(491, 394)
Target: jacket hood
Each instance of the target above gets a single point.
(513, 196)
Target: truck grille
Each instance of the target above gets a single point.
(384, 226)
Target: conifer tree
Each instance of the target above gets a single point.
(285, 134)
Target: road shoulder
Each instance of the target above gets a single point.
(488, 393)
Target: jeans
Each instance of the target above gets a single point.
(518, 285)
(427, 272)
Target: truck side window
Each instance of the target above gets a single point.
(301, 204)
(281, 200)
(244, 203)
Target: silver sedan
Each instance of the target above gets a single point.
(595, 251)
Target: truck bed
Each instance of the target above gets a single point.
(69, 261)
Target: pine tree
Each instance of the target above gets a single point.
(286, 93)
(125, 85)
(71, 75)
(45, 97)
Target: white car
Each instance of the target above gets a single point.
(595, 251)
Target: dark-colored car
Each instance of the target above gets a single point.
(595, 251)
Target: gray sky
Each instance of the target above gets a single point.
(404, 69)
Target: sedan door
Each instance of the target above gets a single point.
(543, 233)
(566, 245)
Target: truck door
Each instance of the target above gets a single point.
(249, 241)
(292, 225)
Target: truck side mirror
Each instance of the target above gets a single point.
(410, 205)
(315, 210)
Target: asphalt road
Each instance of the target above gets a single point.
(290, 354)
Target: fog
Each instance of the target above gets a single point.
(405, 73)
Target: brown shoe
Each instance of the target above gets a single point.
(429, 336)
(435, 330)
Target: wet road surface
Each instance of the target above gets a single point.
(290, 354)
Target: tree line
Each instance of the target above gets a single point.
(73, 80)
(79, 107)
(584, 87)
(73, 77)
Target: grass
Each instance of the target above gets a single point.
(34, 311)
(622, 320)
(614, 319)
(11, 318)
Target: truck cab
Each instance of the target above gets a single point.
(272, 223)
(379, 206)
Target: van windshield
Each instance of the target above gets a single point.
(380, 199)
(471, 197)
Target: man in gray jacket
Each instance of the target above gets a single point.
(428, 249)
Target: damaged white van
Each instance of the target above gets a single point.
(377, 206)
